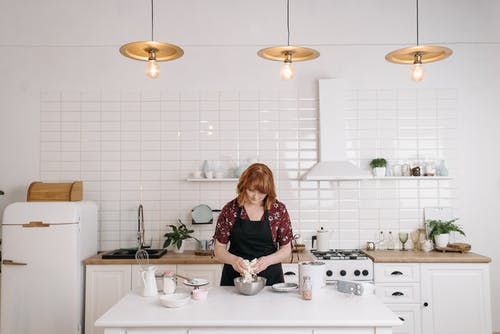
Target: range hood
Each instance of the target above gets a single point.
(333, 163)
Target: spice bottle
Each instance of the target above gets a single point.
(390, 241)
(169, 283)
(307, 288)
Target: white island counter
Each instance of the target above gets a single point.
(226, 311)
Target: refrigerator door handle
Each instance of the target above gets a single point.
(12, 263)
(36, 224)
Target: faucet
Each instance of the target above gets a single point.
(140, 227)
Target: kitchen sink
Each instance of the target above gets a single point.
(129, 253)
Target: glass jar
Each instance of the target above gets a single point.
(307, 288)
(169, 283)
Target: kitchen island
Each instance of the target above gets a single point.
(226, 311)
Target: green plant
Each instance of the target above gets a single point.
(443, 227)
(178, 235)
(378, 162)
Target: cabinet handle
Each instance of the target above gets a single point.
(398, 294)
(401, 318)
(13, 263)
(289, 273)
(396, 273)
(426, 304)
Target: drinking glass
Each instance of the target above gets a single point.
(415, 239)
(403, 237)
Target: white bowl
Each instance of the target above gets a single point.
(175, 299)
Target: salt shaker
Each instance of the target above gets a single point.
(307, 288)
(169, 283)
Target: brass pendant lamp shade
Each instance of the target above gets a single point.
(288, 53)
(151, 51)
(418, 55)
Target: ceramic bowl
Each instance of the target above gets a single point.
(175, 299)
(250, 288)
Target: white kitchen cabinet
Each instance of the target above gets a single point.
(104, 286)
(436, 298)
(210, 272)
(456, 298)
(398, 286)
(107, 284)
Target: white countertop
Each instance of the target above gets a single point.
(226, 308)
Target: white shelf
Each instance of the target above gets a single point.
(412, 178)
(212, 180)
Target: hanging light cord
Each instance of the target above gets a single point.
(152, 19)
(418, 41)
(288, 21)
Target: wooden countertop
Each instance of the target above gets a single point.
(188, 257)
(397, 256)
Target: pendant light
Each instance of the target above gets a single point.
(418, 55)
(289, 53)
(151, 51)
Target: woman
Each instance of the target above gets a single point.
(257, 226)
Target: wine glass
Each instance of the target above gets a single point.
(403, 237)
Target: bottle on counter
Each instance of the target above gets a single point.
(442, 170)
(307, 288)
(381, 241)
(390, 241)
(169, 284)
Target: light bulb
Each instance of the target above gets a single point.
(417, 72)
(287, 71)
(153, 69)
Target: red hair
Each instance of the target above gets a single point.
(257, 177)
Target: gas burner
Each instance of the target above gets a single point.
(339, 254)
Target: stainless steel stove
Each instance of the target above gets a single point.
(345, 264)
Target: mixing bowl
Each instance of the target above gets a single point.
(250, 288)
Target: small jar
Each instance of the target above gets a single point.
(169, 284)
(307, 288)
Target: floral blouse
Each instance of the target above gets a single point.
(279, 221)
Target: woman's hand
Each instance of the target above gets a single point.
(239, 265)
(261, 264)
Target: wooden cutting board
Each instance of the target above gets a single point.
(456, 247)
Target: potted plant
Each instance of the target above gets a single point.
(177, 237)
(440, 231)
(378, 165)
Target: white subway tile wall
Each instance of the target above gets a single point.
(141, 147)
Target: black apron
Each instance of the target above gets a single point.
(250, 240)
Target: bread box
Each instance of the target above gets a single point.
(48, 192)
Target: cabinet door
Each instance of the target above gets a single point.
(210, 272)
(456, 298)
(137, 284)
(104, 286)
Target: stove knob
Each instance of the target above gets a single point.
(357, 272)
(329, 273)
(342, 273)
(365, 272)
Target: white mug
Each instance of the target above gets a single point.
(209, 174)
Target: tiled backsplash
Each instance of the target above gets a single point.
(140, 147)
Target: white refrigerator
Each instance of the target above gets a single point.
(43, 245)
